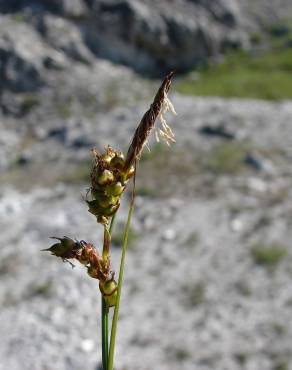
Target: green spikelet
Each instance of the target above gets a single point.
(108, 182)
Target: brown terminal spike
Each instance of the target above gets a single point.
(142, 132)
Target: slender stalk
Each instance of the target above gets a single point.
(105, 320)
(104, 333)
(112, 223)
(120, 282)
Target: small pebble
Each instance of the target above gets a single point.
(169, 234)
(236, 225)
(257, 185)
(87, 345)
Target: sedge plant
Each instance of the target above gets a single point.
(110, 174)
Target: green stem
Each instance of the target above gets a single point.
(112, 223)
(104, 321)
(120, 282)
(104, 333)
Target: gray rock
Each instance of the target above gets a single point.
(68, 8)
(225, 11)
(156, 37)
(149, 36)
(22, 54)
(19, 72)
(73, 8)
(65, 37)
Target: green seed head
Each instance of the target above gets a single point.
(111, 300)
(126, 175)
(104, 201)
(109, 287)
(107, 201)
(115, 189)
(118, 162)
(96, 193)
(111, 210)
(102, 213)
(107, 158)
(105, 178)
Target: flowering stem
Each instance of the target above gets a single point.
(120, 282)
(104, 333)
(112, 223)
(104, 321)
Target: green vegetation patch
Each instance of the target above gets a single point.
(282, 29)
(241, 357)
(281, 365)
(144, 191)
(177, 167)
(194, 294)
(41, 289)
(18, 17)
(192, 240)
(182, 354)
(29, 103)
(265, 75)
(226, 158)
(64, 109)
(77, 174)
(268, 254)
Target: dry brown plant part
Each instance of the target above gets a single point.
(160, 105)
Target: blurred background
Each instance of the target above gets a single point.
(208, 272)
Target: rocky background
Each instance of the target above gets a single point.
(208, 274)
